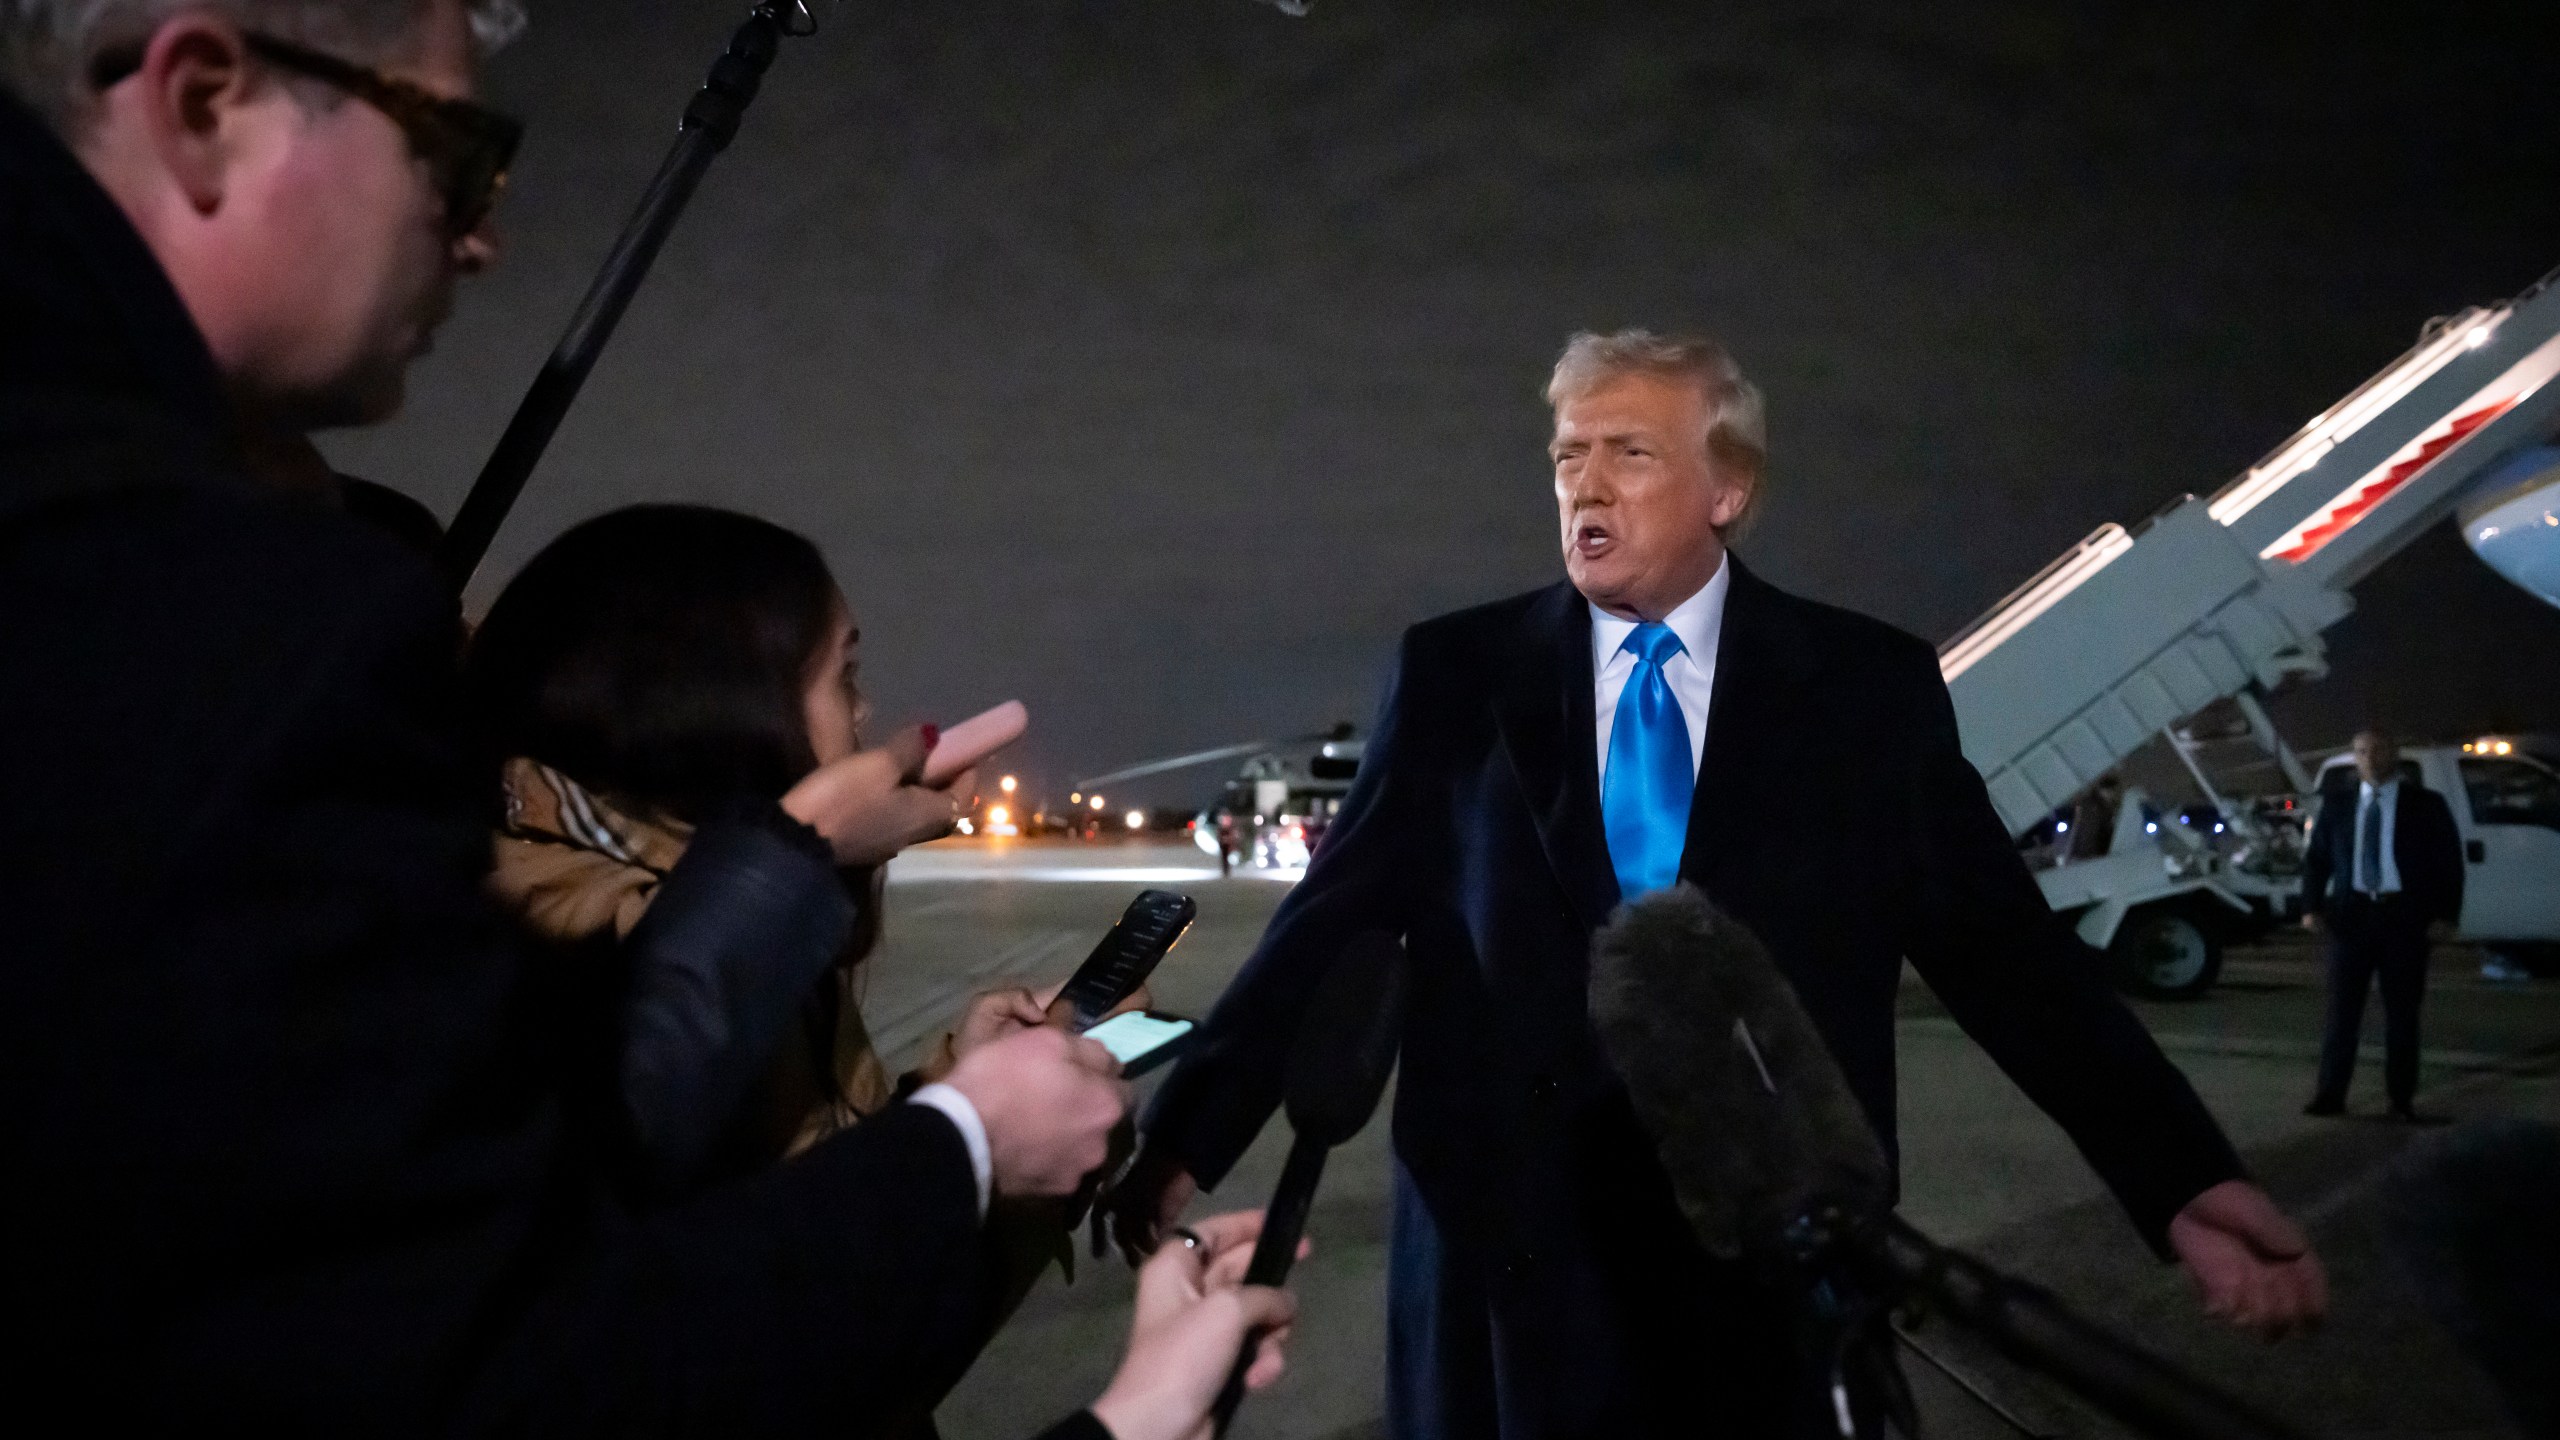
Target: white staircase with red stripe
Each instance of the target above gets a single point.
(2133, 630)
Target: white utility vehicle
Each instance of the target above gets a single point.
(2215, 602)
(2507, 806)
(2169, 889)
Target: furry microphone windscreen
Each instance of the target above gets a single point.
(1346, 1043)
(1753, 1120)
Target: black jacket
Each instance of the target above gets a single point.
(280, 1103)
(2425, 845)
(1545, 1285)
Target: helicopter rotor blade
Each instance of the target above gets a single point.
(1177, 762)
(1208, 757)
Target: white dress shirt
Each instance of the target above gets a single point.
(973, 1133)
(1698, 621)
(2386, 795)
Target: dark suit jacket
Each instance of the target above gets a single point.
(2425, 844)
(283, 1109)
(1545, 1286)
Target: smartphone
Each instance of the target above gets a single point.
(1126, 956)
(1141, 1040)
(973, 740)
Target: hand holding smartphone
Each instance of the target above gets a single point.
(1124, 958)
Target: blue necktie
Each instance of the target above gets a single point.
(1644, 795)
(2369, 852)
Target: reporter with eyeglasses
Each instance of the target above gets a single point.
(284, 1146)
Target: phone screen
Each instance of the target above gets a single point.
(1137, 1033)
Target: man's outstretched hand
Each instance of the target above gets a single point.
(2252, 1264)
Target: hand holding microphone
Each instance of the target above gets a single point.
(1194, 1310)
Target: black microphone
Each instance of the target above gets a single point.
(1754, 1121)
(1338, 1066)
(1771, 1158)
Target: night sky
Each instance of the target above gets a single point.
(1157, 361)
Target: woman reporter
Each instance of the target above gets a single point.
(650, 679)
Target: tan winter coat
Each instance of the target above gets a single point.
(572, 867)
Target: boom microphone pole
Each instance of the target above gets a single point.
(710, 122)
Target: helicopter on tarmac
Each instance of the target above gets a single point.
(1271, 813)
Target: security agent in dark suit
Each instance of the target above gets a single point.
(1668, 715)
(2382, 867)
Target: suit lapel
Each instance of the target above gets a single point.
(1544, 709)
(1761, 666)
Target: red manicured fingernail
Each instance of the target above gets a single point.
(932, 733)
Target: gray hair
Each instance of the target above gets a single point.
(1737, 417)
(48, 46)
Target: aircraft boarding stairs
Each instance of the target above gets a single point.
(2131, 631)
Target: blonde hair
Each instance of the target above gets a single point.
(1737, 417)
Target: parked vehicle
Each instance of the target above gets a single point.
(2506, 804)
(2171, 889)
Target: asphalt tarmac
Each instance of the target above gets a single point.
(1982, 1169)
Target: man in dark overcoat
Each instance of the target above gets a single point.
(1664, 714)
